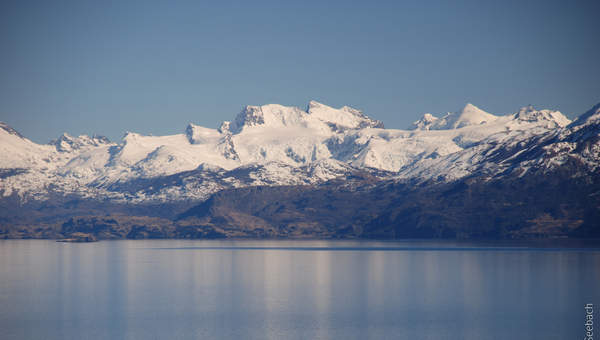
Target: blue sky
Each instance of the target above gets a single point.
(107, 67)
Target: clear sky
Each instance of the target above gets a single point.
(108, 67)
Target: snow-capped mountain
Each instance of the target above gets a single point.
(279, 145)
(470, 115)
(551, 141)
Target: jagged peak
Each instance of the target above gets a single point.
(269, 115)
(316, 114)
(425, 123)
(249, 116)
(469, 115)
(66, 142)
(526, 112)
(527, 108)
(82, 138)
(342, 118)
(530, 114)
(64, 137)
(314, 105)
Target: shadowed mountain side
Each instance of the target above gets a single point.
(528, 207)
(111, 227)
(531, 206)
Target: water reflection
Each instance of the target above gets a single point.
(282, 289)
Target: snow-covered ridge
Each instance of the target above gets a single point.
(340, 119)
(270, 144)
(317, 116)
(592, 116)
(472, 115)
(469, 115)
(66, 143)
(10, 130)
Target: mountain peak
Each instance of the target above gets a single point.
(280, 145)
(425, 123)
(316, 115)
(470, 107)
(530, 114)
(471, 115)
(270, 115)
(66, 142)
(249, 116)
(343, 118)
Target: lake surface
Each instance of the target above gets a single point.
(171, 289)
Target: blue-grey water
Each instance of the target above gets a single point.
(169, 289)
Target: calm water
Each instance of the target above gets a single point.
(294, 290)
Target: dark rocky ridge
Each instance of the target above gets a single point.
(531, 207)
(553, 205)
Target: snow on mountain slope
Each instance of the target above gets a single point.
(200, 135)
(272, 115)
(590, 117)
(265, 145)
(578, 143)
(548, 118)
(550, 142)
(469, 115)
(29, 169)
(413, 153)
(340, 119)
(67, 143)
(19, 152)
(318, 117)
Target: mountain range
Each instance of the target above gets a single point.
(319, 172)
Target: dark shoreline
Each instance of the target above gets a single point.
(432, 244)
